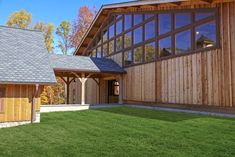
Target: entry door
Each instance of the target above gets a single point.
(113, 91)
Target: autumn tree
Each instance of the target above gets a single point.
(81, 24)
(53, 94)
(47, 31)
(63, 31)
(20, 19)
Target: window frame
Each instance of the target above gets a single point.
(158, 37)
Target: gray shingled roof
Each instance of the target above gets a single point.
(23, 57)
(84, 64)
(25, 60)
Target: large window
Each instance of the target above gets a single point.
(138, 35)
(165, 47)
(148, 36)
(128, 60)
(138, 55)
(206, 35)
(183, 42)
(164, 23)
(2, 95)
(150, 52)
(128, 22)
(149, 30)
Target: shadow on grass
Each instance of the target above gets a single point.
(151, 114)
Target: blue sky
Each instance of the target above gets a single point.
(49, 11)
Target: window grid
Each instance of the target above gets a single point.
(158, 37)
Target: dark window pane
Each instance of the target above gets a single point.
(164, 21)
(119, 27)
(200, 16)
(206, 35)
(150, 51)
(105, 35)
(127, 40)
(138, 35)
(98, 54)
(149, 30)
(105, 49)
(93, 53)
(165, 47)
(111, 47)
(111, 31)
(128, 57)
(119, 43)
(183, 42)
(138, 19)
(128, 22)
(147, 16)
(138, 55)
(182, 20)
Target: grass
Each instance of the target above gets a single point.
(121, 132)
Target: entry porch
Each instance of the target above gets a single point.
(75, 70)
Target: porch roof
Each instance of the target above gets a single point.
(84, 64)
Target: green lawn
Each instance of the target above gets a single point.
(121, 132)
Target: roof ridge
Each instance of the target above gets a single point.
(25, 29)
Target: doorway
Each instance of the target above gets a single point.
(113, 91)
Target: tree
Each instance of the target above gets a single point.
(81, 24)
(47, 31)
(63, 31)
(53, 94)
(20, 19)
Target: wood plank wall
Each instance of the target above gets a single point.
(139, 83)
(204, 78)
(92, 92)
(17, 103)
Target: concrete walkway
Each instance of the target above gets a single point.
(183, 111)
(79, 107)
(73, 107)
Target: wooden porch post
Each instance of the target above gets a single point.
(67, 84)
(83, 80)
(120, 97)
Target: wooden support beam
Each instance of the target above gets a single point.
(67, 84)
(83, 78)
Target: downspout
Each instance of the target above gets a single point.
(33, 103)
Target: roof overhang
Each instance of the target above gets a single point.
(105, 10)
(66, 65)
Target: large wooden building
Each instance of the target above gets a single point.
(173, 51)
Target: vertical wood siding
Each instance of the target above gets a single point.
(17, 103)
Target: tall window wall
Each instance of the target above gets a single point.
(149, 36)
